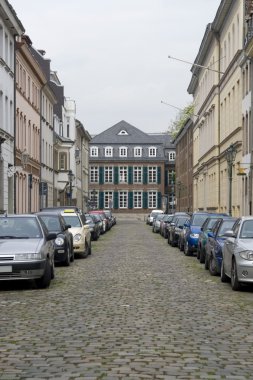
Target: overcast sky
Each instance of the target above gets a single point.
(111, 56)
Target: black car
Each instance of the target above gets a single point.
(63, 244)
(94, 225)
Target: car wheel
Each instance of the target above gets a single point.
(198, 252)
(235, 284)
(202, 256)
(86, 250)
(186, 249)
(223, 276)
(52, 270)
(90, 249)
(212, 266)
(45, 280)
(180, 245)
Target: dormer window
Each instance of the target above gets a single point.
(152, 151)
(94, 151)
(108, 151)
(123, 151)
(172, 156)
(138, 151)
(123, 132)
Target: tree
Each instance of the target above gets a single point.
(181, 119)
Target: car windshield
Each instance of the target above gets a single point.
(226, 225)
(73, 220)
(247, 230)
(198, 220)
(19, 228)
(52, 222)
(210, 223)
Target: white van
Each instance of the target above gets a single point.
(152, 215)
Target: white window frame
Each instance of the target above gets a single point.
(137, 151)
(152, 199)
(94, 151)
(152, 174)
(108, 197)
(108, 151)
(123, 199)
(152, 151)
(123, 174)
(94, 174)
(137, 199)
(108, 174)
(172, 156)
(138, 174)
(94, 198)
(123, 151)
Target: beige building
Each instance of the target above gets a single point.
(29, 81)
(216, 86)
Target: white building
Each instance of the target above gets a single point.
(10, 26)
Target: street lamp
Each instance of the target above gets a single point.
(230, 157)
(71, 177)
(179, 186)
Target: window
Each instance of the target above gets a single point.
(152, 174)
(137, 199)
(94, 199)
(108, 199)
(123, 151)
(137, 174)
(123, 199)
(108, 151)
(152, 151)
(94, 174)
(94, 151)
(172, 156)
(108, 174)
(171, 177)
(123, 174)
(137, 151)
(123, 133)
(152, 199)
(62, 161)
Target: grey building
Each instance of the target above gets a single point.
(129, 169)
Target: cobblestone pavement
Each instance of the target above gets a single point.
(135, 309)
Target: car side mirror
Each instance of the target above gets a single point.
(51, 236)
(229, 234)
(210, 234)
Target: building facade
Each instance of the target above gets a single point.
(126, 170)
(10, 27)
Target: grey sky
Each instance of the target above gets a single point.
(112, 55)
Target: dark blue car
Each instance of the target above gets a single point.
(193, 227)
(215, 243)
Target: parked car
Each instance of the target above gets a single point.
(171, 224)
(203, 236)
(156, 222)
(176, 228)
(111, 217)
(105, 220)
(193, 227)
(152, 215)
(181, 237)
(80, 231)
(237, 254)
(94, 225)
(27, 249)
(163, 225)
(215, 242)
(63, 244)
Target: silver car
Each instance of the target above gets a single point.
(26, 249)
(237, 253)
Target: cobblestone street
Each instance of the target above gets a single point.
(135, 309)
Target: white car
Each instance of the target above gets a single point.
(80, 231)
(153, 214)
(237, 253)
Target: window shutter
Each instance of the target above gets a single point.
(101, 175)
(116, 199)
(145, 199)
(130, 175)
(145, 175)
(116, 175)
(159, 200)
(166, 182)
(158, 174)
(101, 200)
(130, 199)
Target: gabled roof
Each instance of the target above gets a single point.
(133, 135)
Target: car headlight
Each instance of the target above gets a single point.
(77, 237)
(194, 236)
(28, 256)
(59, 241)
(246, 255)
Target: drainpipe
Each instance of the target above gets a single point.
(14, 124)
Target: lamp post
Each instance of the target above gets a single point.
(230, 157)
(70, 178)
